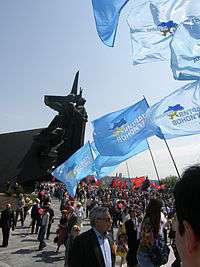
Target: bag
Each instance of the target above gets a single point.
(159, 252)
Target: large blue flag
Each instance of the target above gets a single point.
(78, 166)
(178, 114)
(119, 132)
(152, 25)
(185, 50)
(106, 13)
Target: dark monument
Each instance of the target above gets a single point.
(53, 145)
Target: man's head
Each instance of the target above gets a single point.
(100, 219)
(8, 206)
(132, 212)
(187, 225)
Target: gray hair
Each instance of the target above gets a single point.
(97, 213)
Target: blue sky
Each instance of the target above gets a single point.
(42, 45)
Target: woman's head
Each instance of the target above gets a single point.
(122, 237)
(75, 230)
(153, 211)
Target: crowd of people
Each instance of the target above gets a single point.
(138, 226)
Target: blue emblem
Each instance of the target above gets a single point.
(118, 127)
(167, 27)
(174, 110)
(119, 124)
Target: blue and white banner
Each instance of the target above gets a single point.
(152, 24)
(78, 166)
(106, 14)
(185, 50)
(178, 114)
(119, 132)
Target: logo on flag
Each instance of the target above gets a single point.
(123, 130)
(168, 27)
(118, 127)
(173, 111)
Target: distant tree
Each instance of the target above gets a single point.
(170, 181)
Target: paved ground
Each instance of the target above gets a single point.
(23, 251)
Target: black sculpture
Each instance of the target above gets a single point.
(62, 138)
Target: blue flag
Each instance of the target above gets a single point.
(106, 13)
(119, 132)
(104, 171)
(185, 50)
(101, 170)
(152, 26)
(71, 187)
(105, 161)
(178, 114)
(78, 166)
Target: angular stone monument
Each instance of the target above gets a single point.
(51, 146)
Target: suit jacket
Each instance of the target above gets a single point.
(86, 251)
(7, 218)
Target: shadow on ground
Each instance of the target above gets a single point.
(24, 251)
(49, 257)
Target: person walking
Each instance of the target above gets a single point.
(35, 216)
(95, 248)
(149, 232)
(51, 219)
(69, 243)
(7, 222)
(20, 202)
(132, 227)
(43, 228)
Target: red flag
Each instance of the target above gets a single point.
(137, 181)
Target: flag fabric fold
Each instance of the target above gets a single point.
(101, 170)
(106, 14)
(119, 132)
(78, 166)
(105, 161)
(185, 50)
(152, 25)
(178, 114)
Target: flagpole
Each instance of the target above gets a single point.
(172, 158)
(91, 149)
(154, 164)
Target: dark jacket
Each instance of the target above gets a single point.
(131, 234)
(71, 222)
(7, 218)
(86, 251)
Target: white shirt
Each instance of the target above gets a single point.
(105, 248)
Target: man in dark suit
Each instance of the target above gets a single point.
(132, 232)
(7, 222)
(94, 248)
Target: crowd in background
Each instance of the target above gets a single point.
(132, 212)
